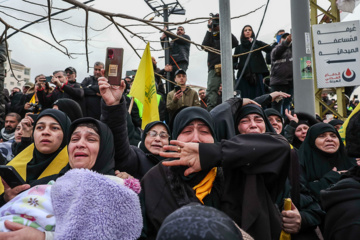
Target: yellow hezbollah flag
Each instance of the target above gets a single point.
(342, 130)
(144, 88)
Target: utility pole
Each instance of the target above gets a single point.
(169, 86)
(304, 96)
(225, 49)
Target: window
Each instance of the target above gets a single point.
(4, 85)
(12, 83)
(26, 80)
(18, 76)
(12, 75)
(27, 71)
(19, 84)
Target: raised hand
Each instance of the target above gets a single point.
(110, 93)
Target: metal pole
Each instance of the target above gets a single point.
(226, 54)
(304, 97)
(167, 52)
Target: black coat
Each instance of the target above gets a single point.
(281, 64)
(70, 90)
(255, 169)
(179, 48)
(256, 63)
(128, 158)
(92, 100)
(342, 205)
(214, 41)
(164, 191)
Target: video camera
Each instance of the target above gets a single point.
(35, 107)
(215, 20)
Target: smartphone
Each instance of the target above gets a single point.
(177, 88)
(113, 65)
(355, 96)
(48, 79)
(11, 176)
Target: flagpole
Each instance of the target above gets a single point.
(131, 105)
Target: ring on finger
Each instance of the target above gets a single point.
(179, 150)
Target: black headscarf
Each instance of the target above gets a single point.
(189, 114)
(105, 162)
(182, 119)
(273, 112)
(70, 107)
(335, 122)
(195, 221)
(316, 162)
(304, 118)
(146, 130)
(41, 161)
(250, 109)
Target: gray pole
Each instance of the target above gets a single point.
(304, 94)
(226, 54)
(166, 45)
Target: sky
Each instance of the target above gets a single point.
(42, 58)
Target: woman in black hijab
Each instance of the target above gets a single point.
(296, 127)
(165, 189)
(246, 110)
(47, 155)
(70, 107)
(251, 84)
(323, 158)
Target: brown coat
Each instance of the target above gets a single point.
(189, 98)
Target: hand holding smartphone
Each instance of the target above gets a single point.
(11, 176)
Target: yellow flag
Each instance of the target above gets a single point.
(144, 88)
(342, 130)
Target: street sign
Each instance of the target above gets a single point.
(337, 54)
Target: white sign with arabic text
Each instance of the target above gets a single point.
(337, 55)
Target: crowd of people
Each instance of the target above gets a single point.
(206, 170)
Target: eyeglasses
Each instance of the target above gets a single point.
(153, 134)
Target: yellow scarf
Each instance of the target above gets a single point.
(22, 159)
(205, 186)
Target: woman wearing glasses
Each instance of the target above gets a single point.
(130, 159)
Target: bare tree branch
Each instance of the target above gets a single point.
(50, 27)
(32, 35)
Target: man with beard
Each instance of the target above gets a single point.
(92, 93)
(8, 132)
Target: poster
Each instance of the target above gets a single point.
(306, 68)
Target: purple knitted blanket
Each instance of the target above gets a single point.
(87, 205)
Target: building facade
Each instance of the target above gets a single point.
(21, 72)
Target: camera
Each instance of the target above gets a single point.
(215, 20)
(35, 107)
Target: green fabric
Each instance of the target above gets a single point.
(213, 84)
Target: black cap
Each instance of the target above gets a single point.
(180, 71)
(284, 35)
(70, 69)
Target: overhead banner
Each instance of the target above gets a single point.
(337, 55)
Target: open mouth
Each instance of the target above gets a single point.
(81, 154)
(45, 141)
(156, 146)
